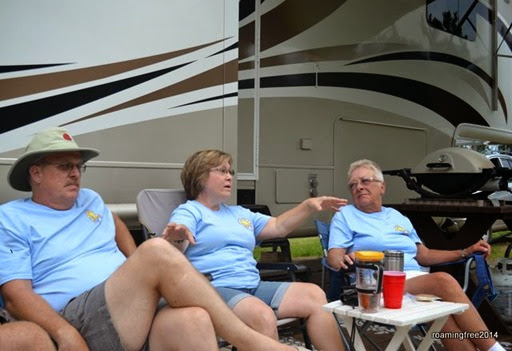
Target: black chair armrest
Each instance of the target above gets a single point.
(283, 266)
(461, 260)
(289, 269)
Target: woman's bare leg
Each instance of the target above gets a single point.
(305, 300)
(445, 286)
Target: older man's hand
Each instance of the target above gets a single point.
(347, 260)
(480, 246)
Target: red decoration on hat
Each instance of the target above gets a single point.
(67, 136)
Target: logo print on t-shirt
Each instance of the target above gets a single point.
(246, 223)
(92, 216)
(401, 229)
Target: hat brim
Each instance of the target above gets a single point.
(18, 174)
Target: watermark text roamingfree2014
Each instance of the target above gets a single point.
(483, 334)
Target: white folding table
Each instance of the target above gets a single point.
(412, 313)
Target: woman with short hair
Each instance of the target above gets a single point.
(222, 239)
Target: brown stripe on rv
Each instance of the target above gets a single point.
(16, 87)
(340, 52)
(274, 31)
(246, 65)
(217, 76)
(246, 41)
(303, 14)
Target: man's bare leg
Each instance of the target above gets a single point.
(18, 336)
(186, 328)
(158, 269)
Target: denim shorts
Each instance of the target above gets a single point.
(270, 293)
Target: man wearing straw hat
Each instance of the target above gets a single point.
(63, 267)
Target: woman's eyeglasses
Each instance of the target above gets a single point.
(224, 170)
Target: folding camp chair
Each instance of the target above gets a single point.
(337, 280)
(154, 208)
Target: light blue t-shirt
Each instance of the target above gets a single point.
(64, 253)
(388, 229)
(225, 240)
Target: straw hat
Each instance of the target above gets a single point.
(49, 141)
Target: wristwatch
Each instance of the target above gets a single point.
(463, 253)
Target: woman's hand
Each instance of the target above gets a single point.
(282, 225)
(480, 246)
(323, 203)
(177, 234)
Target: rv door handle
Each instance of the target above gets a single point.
(439, 165)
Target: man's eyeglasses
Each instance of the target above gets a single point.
(67, 167)
(224, 170)
(365, 181)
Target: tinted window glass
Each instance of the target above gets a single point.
(453, 16)
(496, 162)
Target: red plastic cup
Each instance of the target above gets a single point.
(393, 288)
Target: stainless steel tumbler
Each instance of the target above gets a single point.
(393, 260)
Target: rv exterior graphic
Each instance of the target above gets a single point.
(294, 89)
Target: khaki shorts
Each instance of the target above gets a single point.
(89, 314)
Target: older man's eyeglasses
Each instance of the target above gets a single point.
(365, 181)
(223, 170)
(67, 167)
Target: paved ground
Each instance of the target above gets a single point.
(382, 334)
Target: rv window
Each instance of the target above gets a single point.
(455, 17)
(496, 162)
(507, 163)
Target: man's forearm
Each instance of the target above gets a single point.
(433, 257)
(27, 305)
(124, 239)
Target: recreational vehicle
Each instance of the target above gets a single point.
(295, 90)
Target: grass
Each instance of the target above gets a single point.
(310, 247)
(499, 245)
(300, 247)
(306, 247)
